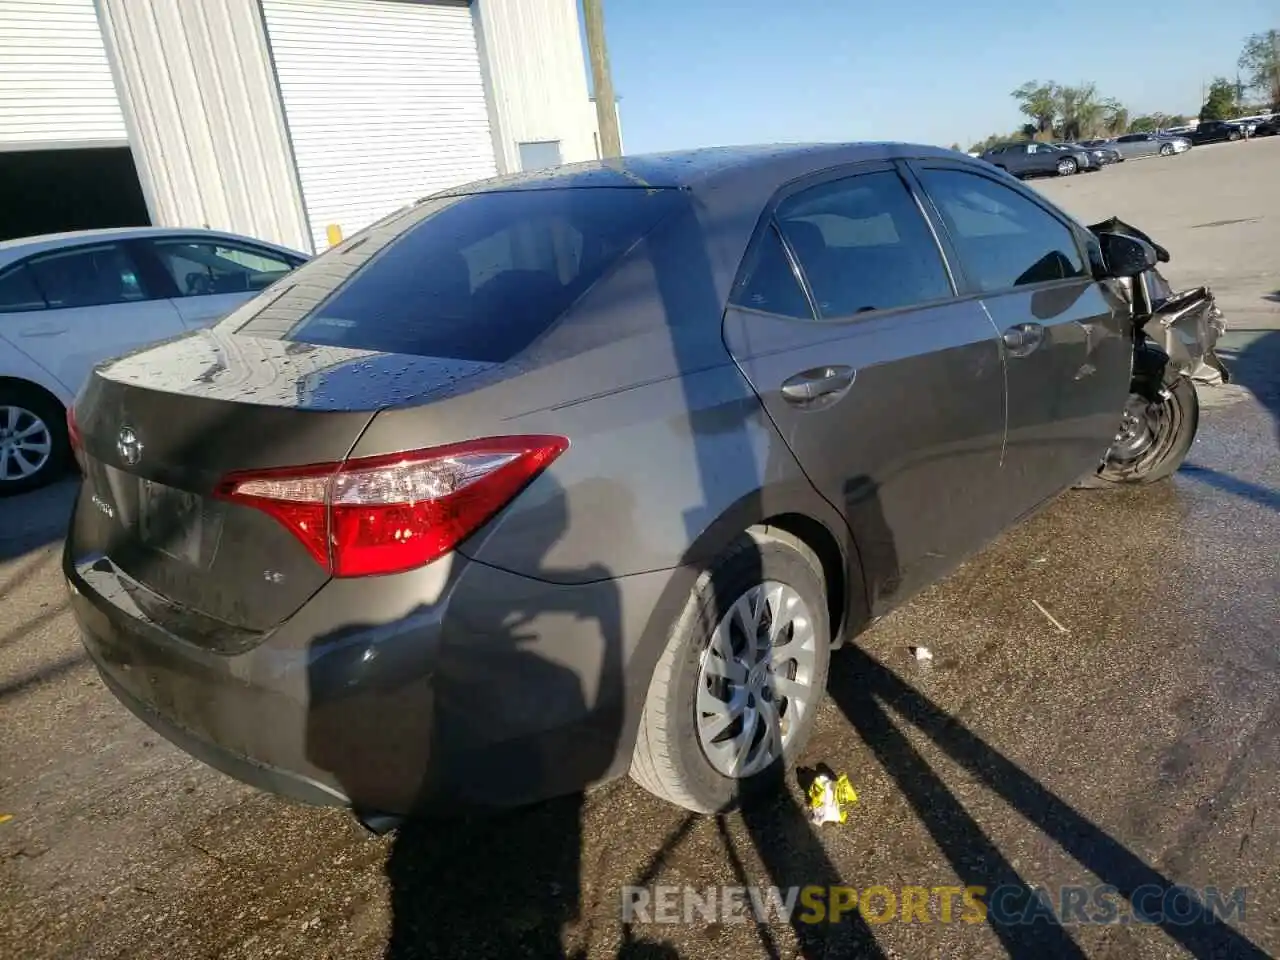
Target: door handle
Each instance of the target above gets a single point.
(41, 330)
(1022, 339)
(810, 385)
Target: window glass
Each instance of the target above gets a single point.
(863, 245)
(201, 268)
(770, 283)
(87, 276)
(1003, 239)
(18, 292)
(476, 277)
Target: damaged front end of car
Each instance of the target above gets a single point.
(1174, 336)
(1185, 325)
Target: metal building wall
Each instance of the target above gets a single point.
(55, 84)
(385, 104)
(201, 102)
(537, 77)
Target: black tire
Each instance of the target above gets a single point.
(1166, 149)
(1177, 417)
(668, 760)
(34, 402)
(1233, 136)
(1067, 167)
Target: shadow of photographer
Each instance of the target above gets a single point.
(469, 876)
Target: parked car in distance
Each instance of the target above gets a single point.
(1026, 159)
(71, 300)
(1137, 145)
(1268, 127)
(1102, 153)
(1219, 131)
(554, 477)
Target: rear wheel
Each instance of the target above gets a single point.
(1154, 437)
(1066, 167)
(1233, 136)
(734, 694)
(34, 449)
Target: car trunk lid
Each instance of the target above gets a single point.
(163, 427)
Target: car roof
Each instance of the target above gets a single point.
(700, 169)
(11, 250)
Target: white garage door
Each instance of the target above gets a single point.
(55, 83)
(385, 104)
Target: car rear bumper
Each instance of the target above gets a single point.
(454, 686)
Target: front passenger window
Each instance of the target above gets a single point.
(1003, 239)
(203, 268)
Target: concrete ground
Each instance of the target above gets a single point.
(1103, 708)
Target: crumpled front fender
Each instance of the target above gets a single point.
(1187, 326)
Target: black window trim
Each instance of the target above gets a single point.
(768, 221)
(970, 287)
(124, 243)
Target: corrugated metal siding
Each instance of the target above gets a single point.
(55, 82)
(538, 76)
(385, 104)
(207, 130)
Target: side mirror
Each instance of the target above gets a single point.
(1126, 256)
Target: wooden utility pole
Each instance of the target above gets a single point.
(606, 104)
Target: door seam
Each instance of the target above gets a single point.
(1004, 376)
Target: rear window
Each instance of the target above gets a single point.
(477, 277)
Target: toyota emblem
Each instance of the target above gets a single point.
(129, 446)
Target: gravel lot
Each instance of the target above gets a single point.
(1140, 746)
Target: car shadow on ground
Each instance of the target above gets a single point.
(1254, 366)
(29, 521)
(875, 700)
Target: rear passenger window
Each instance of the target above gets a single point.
(18, 292)
(863, 245)
(770, 284)
(87, 276)
(1003, 239)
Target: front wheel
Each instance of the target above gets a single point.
(1154, 437)
(734, 695)
(1067, 167)
(1166, 149)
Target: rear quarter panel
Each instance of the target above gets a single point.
(17, 365)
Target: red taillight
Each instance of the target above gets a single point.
(392, 513)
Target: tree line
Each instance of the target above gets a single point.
(1062, 112)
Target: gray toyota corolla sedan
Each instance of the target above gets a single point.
(561, 476)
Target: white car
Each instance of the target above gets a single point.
(69, 301)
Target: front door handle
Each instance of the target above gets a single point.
(1022, 339)
(810, 385)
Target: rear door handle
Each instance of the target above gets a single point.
(1022, 339)
(41, 330)
(810, 385)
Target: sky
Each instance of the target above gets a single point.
(702, 72)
